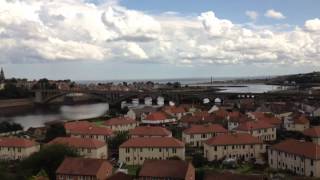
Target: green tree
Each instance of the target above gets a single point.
(7, 127)
(48, 159)
(55, 130)
(198, 160)
(117, 140)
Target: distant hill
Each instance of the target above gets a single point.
(307, 78)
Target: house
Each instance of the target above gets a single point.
(297, 123)
(260, 129)
(12, 148)
(158, 117)
(120, 176)
(196, 134)
(302, 158)
(233, 123)
(89, 148)
(313, 133)
(174, 111)
(140, 113)
(136, 150)
(83, 168)
(120, 124)
(85, 129)
(267, 117)
(167, 169)
(231, 176)
(200, 117)
(239, 146)
(149, 131)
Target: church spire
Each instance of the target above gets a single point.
(2, 78)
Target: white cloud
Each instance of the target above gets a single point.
(271, 13)
(60, 30)
(253, 15)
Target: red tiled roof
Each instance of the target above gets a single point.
(87, 128)
(78, 142)
(119, 121)
(16, 142)
(83, 166)
(306, 149)
(172, 169)
(157, 116)
(153, 142)
(251, 125)
(207, 128)
(312, 132)
(221, 113)
(120, 176)
(150, 131)
(272, 120)
(174, 109)
(229, 139)
(234, 115)
(199, 117)
(301, 120)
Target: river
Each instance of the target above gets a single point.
(38, 117)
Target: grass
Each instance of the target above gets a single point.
(98, 123)
(244, 169)
(132, 169)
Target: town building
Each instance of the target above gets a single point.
(196, 134)
(120, 176)
(12, 148)
(83, 168)
(120, 124)
(297, 123)
(89, 148)
(313, 133)
(175, 111)
(141, 113)
(266, 117)
(261, 129)
(236, 146)
(157, 118)
(167, 169)
(302, 158)
(149, 131)
(136, 150)
(85, 129)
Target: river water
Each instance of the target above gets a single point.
(38, 117)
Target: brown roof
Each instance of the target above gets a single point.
(119, 121)
(175, 169)
(78, 142)
(150, 131)
(157, 116)
(84, 127)
(230, 176)
(174, 109)
(16, 142)
(306, 149)
(301, 120)
(251, 125)
(83, 166)
(120, 176)
(153, 142)
(230, 139)
(199, 117)
(207, 128)
(312, 132)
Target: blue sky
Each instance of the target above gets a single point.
(139, 39)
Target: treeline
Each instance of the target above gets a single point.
(9, 127)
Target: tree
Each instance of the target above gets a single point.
(48, 159)
(7, 127)
(55, 130)
(116, 141)
(198, 160)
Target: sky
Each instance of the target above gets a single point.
(158, 39)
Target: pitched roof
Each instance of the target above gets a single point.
(174, 109)
(78, 142)
(119, 121)
(153, 142)
(87, 128)
(306, 149)
(207, 128)
(231, 176)
(175, 169)
(157, 116)
(301, 120)
(230, 139)
(312, 132)
(150, 131)
(16, 142)
(251, 125)
(120, 176)
(83, 166)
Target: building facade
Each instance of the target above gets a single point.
(260, 129)
(150, 131)
(17, 148)
(121, 124)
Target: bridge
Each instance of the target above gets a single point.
(115, 97)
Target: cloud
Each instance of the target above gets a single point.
(253, 15)
(271, 13)
(54, 31)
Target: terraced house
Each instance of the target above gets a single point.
(196, 134)
(302, 158)
(260, 129)
(136, 150)
(89, 148)
(121, 124)
(150, 131)
(239, 146)
(17, 148)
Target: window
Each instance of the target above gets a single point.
(89, 150)
(203, 135)
(225, 147)
(191, 137)
(244, 146)
(127, 150)
(140, 149)
(311, 162)
(174, 150)
(160, 149)
(215, 148)
(233, 147)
